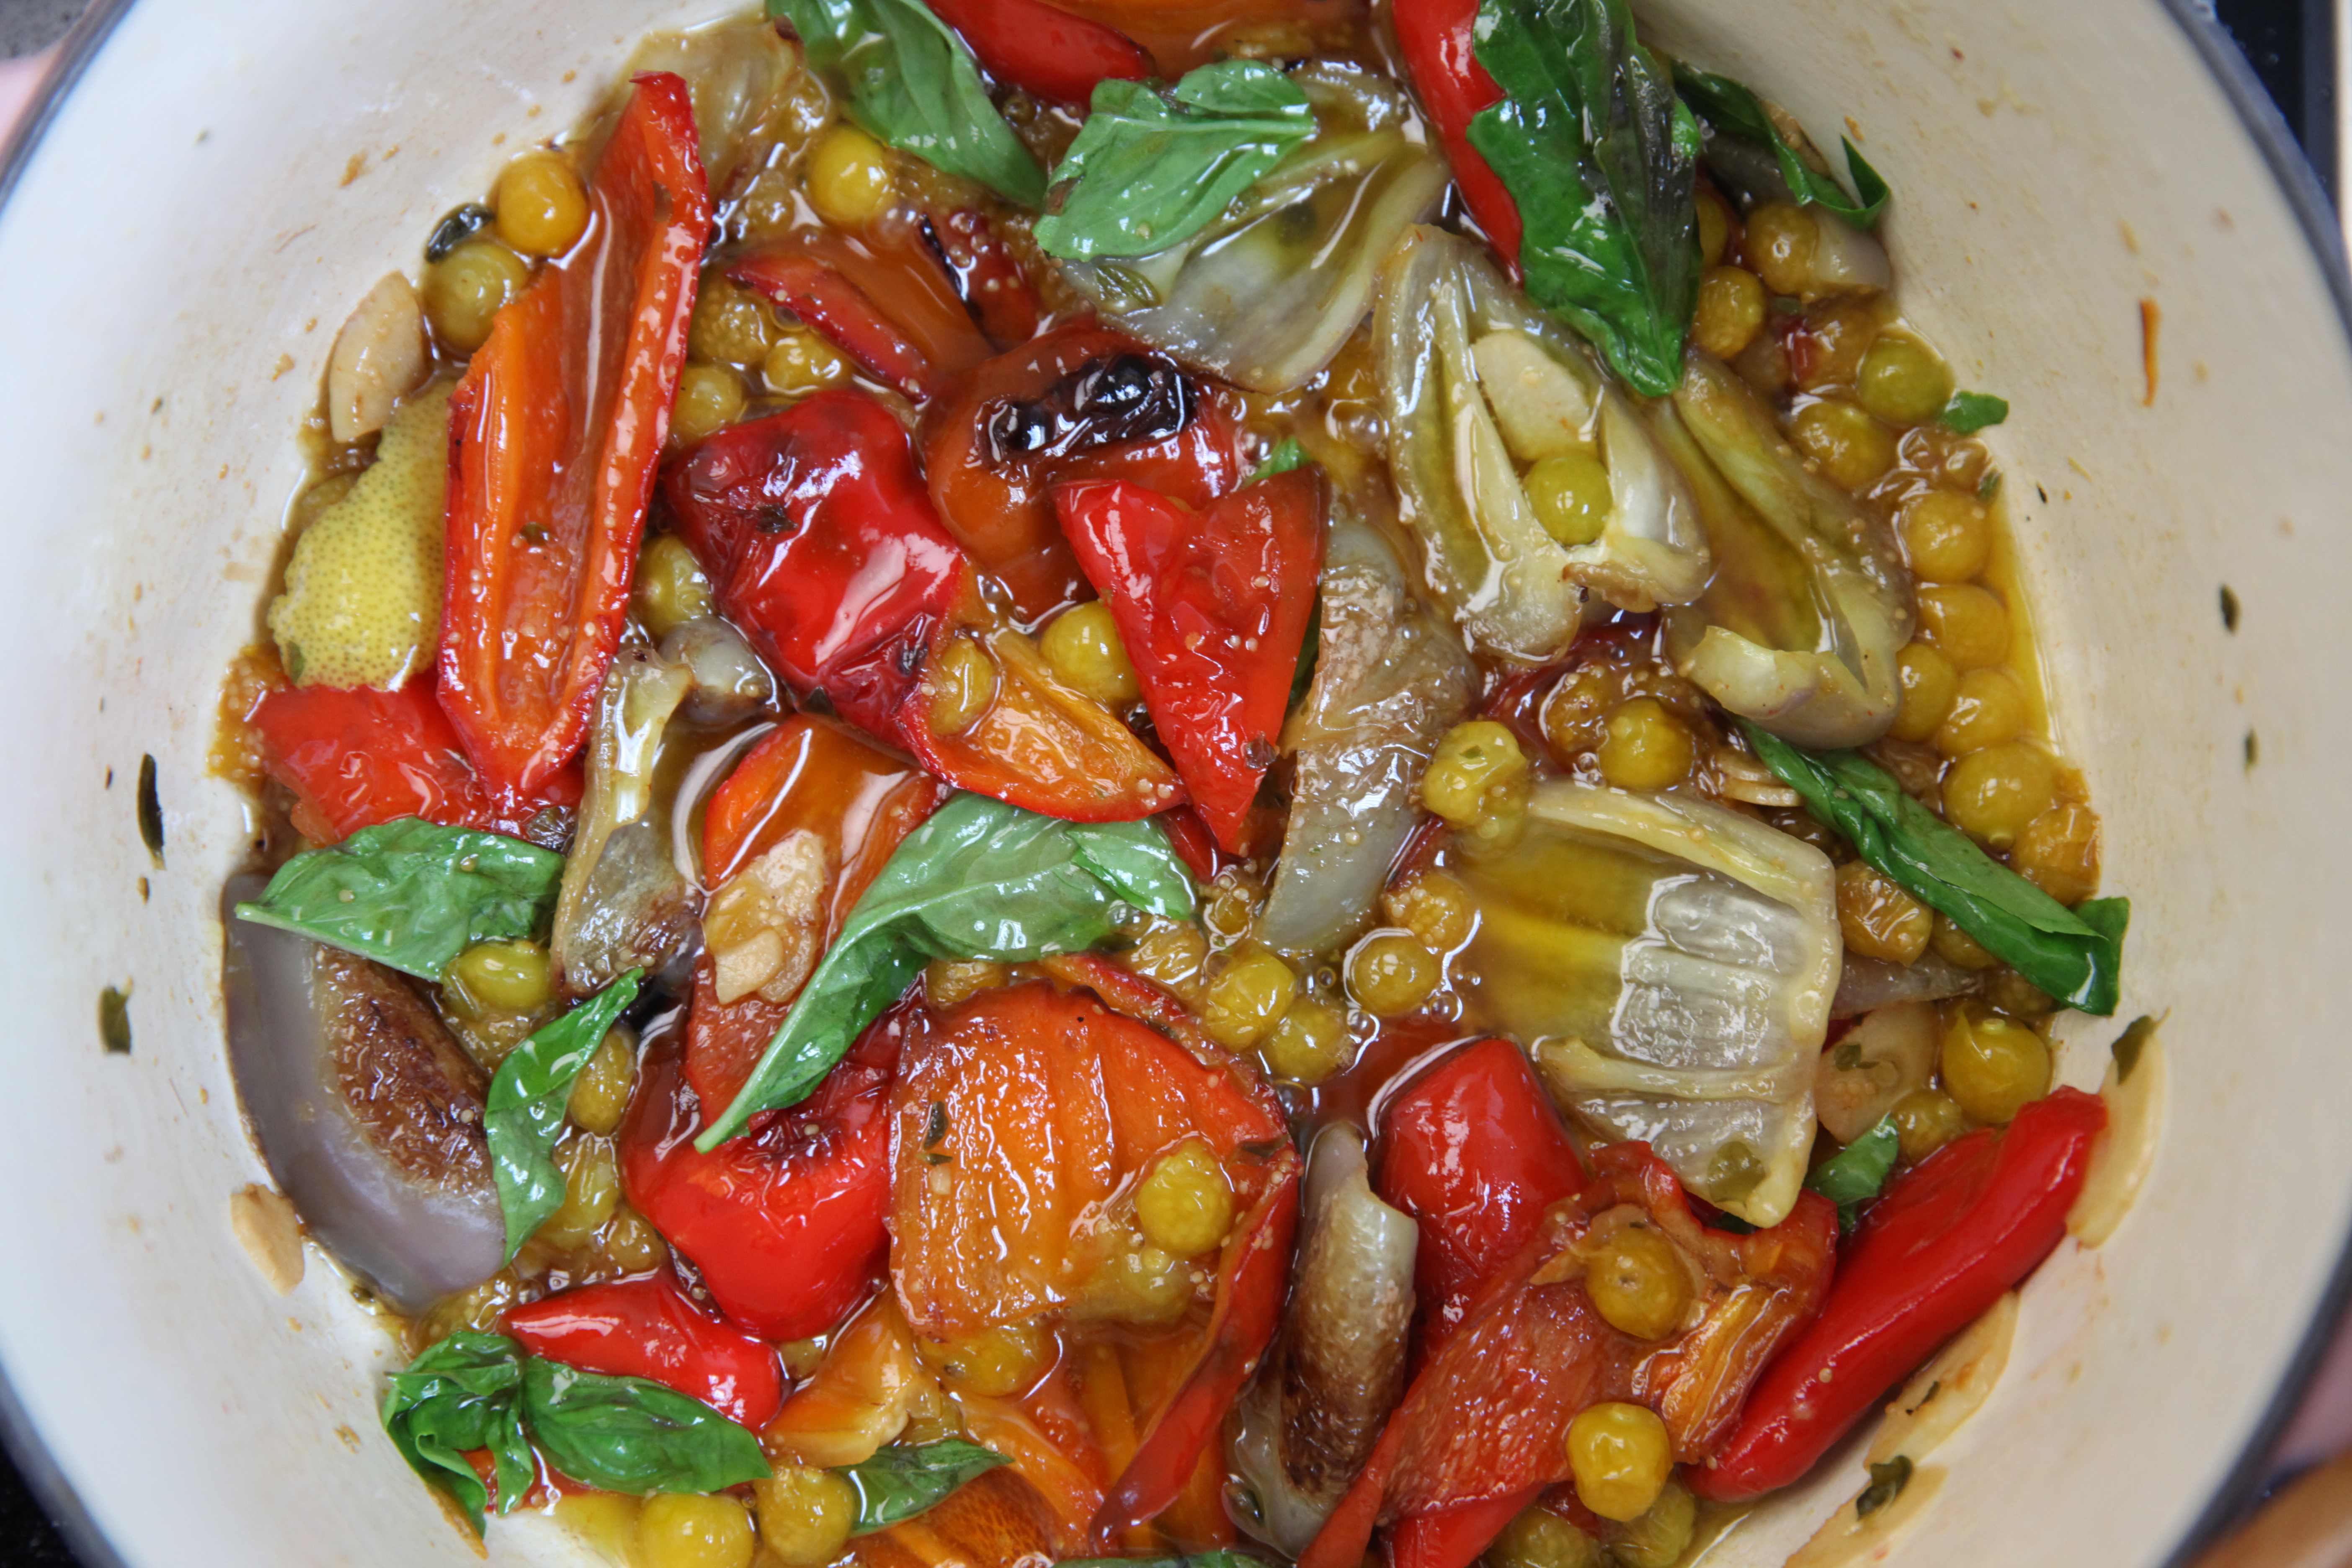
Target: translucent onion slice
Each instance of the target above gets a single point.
(1390, 678)
(1266, 295)
(1479, 383)
(1671, 962)
(1809, 603)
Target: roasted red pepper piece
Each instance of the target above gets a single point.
(1930, 1257)
(820, 539)
(1456, 1537)
(1473, 1152)
(649, 1328)
(923, 338)
(1039, 744)
(355, 756)
(1212, 606)
(1440, 54)
(1001, 435)
(804, 777)
(988, 277)
(1486, 1419)
(786, 1223)
(1041, 49)
(554, 435)
(1048, 1108)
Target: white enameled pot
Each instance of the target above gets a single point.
(217, 181)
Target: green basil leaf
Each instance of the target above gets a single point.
(1970, 412)
(1853, 1175)
(2075, 955)
(1603, 160)
(897, 1484)
(1733, 109)
(911, 82)
(627, 1434)
(1887, 1484)
(413, 894)
(524, 1111)
(1302, 677)
(2131, 1043)
(464, 1393)
(1153, 165)
(979, 880)
(1287, 454)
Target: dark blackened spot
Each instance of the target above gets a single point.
(772, 517)
(455, 229)
(2228, 609)
(1887, 1484)
(2130, 1044)
(151, 810)
(2250, 750)
(1103, 402)
(2043, 493)
(145, 893)
(110, 778)
(114, 1019)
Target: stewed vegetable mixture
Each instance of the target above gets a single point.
(1069, 781)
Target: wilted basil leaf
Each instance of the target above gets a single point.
(412, 893)
(1853, 1175)
(1601, 159)
(2075, 955)
(463, 1393)
(897, 1484)
(1970, 412)
(627, 1435)
(1153, 165)
(524, 1111)
(1734, 110)
(979, 880)
(913, 83)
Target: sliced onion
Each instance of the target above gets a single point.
(1266, 295)
(1308, 1423)
(735, 73)
(1868, 983)
(1390, 679)
(625, 902)
(379, 358)
(729, 683)
(368, 1115)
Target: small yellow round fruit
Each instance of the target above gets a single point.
(1390, 974)
(679, 1530)
(1620, 1456)
(1646, 747)
(1639, 1282)
(541, 206)
(1992, 1066)
(1083, 646)
(848, 177)
(1185, 1206)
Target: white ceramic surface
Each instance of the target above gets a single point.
(228, 175)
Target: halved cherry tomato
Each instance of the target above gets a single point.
(1474, 1153)
(1039, 742)
(786, 1223)
(553, 433)
(1042, 50)
(1486, 1420)
(1440, 52)
(649, 1328)
(820, 539)
(1043, 1110)
(891, 308)
(806, 776)
(1082, 402)
(1212, 606)
(355, 756)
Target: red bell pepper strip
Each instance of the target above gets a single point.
(355, 756)
(1486, 1420)
(786, 1223)
(1473, 1152)
(1212, 606)
(649, 1328)
(1440, 54)
(835, 284)
(820, 539)
(1456, 1537)
(805, 775)
(988, 277)
(999, 436)
(1949, 1237)
(1048, 1108)
(1042, 49)
(554, 435)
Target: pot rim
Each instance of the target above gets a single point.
(2248, 1476)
